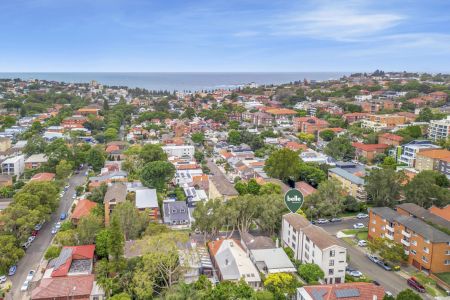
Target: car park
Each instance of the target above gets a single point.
(24, 286)
(30, 275)
(362, 216)
(12, 270)
(362, 243)
(322, 221)
(2, 279)
(384, 265)
(358, 226)
(412, 282)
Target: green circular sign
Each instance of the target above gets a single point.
(293, 199)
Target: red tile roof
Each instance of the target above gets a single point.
(367, 291)
(78, 252)
(369, 147)
(83, 208)
(305, 188)
(43, 177)
(391, 136)
(73, 286)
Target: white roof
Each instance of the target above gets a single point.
(274, 259)
(146, 198)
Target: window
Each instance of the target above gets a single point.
(331, 264)
(293, 237)
(447, 252)
(374, 221)
(413, 252)
(424, 259)
(332, 253)
(426, 250)
(330, 271)
(307, 239)
(414, 243)
(447, 262)
(427, 241)
(306, 247)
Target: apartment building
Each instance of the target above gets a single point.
(312, 244)
(435, 159)
(428, 248)
(369, 151)
(351, 183)
(310, 124)
(14, 165)
(379, 122)
(179, 151)
(439, 129)
(390, 139)
(409, 151)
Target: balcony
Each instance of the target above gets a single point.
(406, 243)
(406, 252)
(391, 237)
(389, 228)
(407, 234)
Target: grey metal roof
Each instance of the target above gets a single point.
(146, 198)
(175, 211)
(65, 254)
(347, 175)
(414, 224)
(274, 258)
(424, 214)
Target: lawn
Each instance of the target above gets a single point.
(360, 234)
(444, 277)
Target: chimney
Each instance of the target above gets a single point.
(277, 243)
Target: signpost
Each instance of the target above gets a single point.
(293, 199)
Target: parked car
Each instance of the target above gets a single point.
(387, 293)
(373, 258)
(34, 233)
(38, 226)
(376, 282)
(30, 275)
(384, 265)
(362, 243)
(24, 286)
(322, 221)
(412, 282)
(26, 245)
(358, 226)
(2, 279)
(63, 216)
(353, 272)
(31, 238)
(362, 216)
(336, 220)
(58, 225)
(54, 230)
(12, 270)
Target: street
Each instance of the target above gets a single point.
(357, 259)
(36, 251)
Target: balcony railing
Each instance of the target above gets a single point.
(407, 234)
(406, 243)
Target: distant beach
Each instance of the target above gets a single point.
(179, 81)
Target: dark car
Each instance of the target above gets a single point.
(384, 265)
(35, 233)
(375, 282)
(412, 282)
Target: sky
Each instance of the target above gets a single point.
(224, 36)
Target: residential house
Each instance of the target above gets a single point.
(355, 117)
(35, 161)
(115, 194)
(344, 291)
(390, 139)
(305, 188)
(5, 144)
(147, 200)
(106, 178)
(89, 110)
(232, 263)
(369, 151)
(312, 244)
(439, 129)
(14, 165)
(82, 209)
(176, 214)
(427, 247)
(435, 159)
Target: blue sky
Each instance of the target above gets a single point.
(228, 35)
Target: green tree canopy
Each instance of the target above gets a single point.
(283, 164)
(156, 174)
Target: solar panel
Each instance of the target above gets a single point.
(345, 293)
(318, 294)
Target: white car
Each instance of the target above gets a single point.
(322, 221)
(2, 279)
(355, 273)
(358, 226)
(58, 225)
(389, 294)
(362, 216)
(362, 243)
(24, 286)
(31, 238)
(54, 230)
(30, 275)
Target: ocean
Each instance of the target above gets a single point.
(179, 81)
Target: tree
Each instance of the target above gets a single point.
(389, 163)
(52, 252)
(116, 239)
(311, 174)
(327, 135)
(156, 174)
(234, 137)
(35, 145)
(111, 134)
(351, 204)
(428, 188)
(311, 273)
(270, 188)
(198, 137)
(101, 243)
(387, 249)
(121, 296)
(383, 186)
(228, 290)
(56, 151)
(233, 124)
(132, 222)
(283, 164)
(9, 252)
(340, 148)
(96, 158)
(306, 137)
(150, 153)
(63, 169)
(281, 285)
(328, 200)
(408, 294)
(88, 227)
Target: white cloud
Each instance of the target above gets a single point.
(343, 22)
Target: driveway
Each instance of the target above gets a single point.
(357, 259)
(35, 252)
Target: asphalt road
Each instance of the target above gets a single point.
(36, 251)
(391, 281)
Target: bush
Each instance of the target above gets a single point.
(52, 252)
